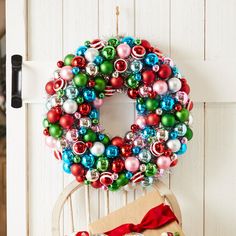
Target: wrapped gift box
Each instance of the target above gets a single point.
(134, 213)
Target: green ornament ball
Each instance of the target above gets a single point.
(55, 130)
(79, 100)
(113, 187)
(68, 59)
(102, 164)
(100, 84)
(106, 140)
(87, 43)
(106, 67)
(80, 80)
(132, 82)
(90, 136)
(46, 123)
(76, 159)
(151, 104)
(122, 180)
(168, 120)
(101, 95)
(189, 134)
(108, 52)
(114, 42)
(151, 169)
(182, 115)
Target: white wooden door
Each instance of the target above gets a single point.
(198, 34)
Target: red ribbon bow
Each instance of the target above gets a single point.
(154, 219)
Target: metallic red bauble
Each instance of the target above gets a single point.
(66, 121)
(174, 163)
(120, 65)
(58, 109)
(46, 132)
(148, 77)
(106, 178)
(185, 88)
(132, 93)
(168, 153)
(134, 128)
(77, 170)
(152, 94)
(53, 116)
(126, 150)
(118, 165)
(91, 83)
(80, 179)
(84, 109)
(79, 148)
(60, 64)
(117, 141)
(178, 107)
(49, 88)
(78, 62)
(152, 119)
(138, 52)
(164, 71)
(89, 144)
(117, 82)
(190, 105)
(145, 44)
(96, 184)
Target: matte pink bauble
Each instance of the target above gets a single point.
(98, 102)
(163, 162)
(160, 87)
(141, 122)
(66, 73)
(50, 141)
(132, 164)
(123, 50)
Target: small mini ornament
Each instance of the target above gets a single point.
(156, 139)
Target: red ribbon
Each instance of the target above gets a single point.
(154, 219)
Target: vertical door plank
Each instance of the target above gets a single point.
(187, 179)
(117, 113)
(187, 29)
(80, 23)
(220, 33)
(44, 29)
(45, 175)
(220, 191)
(153, 22)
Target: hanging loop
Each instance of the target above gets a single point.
(117, 20)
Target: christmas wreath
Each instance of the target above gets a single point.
(79, 87)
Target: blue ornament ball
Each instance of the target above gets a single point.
(173, 134)
(129, 40)
(72, 92)
(66, 168)
(141, 108)
(148, 132)
(151, 59)
(67, 156)
(75, 70)
(136, 66)
(167, 103)
(136, 150)
(82, 130)
(81, 50)
(138, 77)
(94, 114)
(112, 151)
(89, 95)
(98, 60)
(88, 160)
(128, 175)
(182, 149)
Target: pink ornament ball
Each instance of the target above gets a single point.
(98, 102)
(141, 122)
(132, 164)
(163, 162)
(50, 141)
(160, 87)
(66, 73)
(123, 50)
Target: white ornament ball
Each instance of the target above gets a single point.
(97, 149)
(92, 175)
(174, 145)
(90, 54)
(70, 106)
(174, 84)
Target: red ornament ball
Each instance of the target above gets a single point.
(91, 83)
(120, 65)
(60, 64)
(133, 93)
(168, 153)
(53, 116)
(79, 148)
(174, 162)
(77, 170)
(149, 77)
(117, 141)
(66, 121)
(145, 44)
(178, 107)
(46, 132)
(164, 71)
(78, 62)
(49, 88)
(118, 165)
(96, 184)
(117, 82)
(80, 179)
(152, 119)
(185, 88)
(134, 128)
(126, 150)
(84, 109)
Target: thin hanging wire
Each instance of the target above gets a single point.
(117, 20)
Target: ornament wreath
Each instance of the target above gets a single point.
(78, 89)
